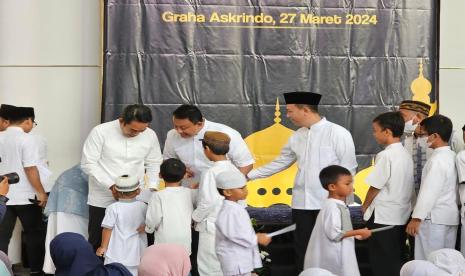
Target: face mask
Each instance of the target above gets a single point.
(410, 127)
(422, 142)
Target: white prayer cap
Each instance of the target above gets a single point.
(126, 183)
(449, 260)
(314, 271)
(230, 180)
(421, 268)
(461, 166)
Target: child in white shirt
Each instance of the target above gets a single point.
(331, 244)
(216, 146)
(389, 199)
(436, 216)
(123, 235)
(169, 213)
(236, 241)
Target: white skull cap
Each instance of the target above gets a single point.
(230, 180)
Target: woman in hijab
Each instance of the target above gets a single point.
(441, 262)
(74, 256)
(165, 260)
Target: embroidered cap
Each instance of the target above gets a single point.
(216, 138)
(415, 106)
(126, 183)
(230, 180)
(299, 97)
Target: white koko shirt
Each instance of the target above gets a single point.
(169, 214)
(235, 240)
(108, 154)
(314, 148)
(393, 176)
(437, 199)
(18, 150)
(190, 150)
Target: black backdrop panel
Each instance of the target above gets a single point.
(235, 71)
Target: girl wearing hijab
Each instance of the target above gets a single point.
(74, 256)
(165, 260)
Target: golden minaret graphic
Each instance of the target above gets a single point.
(266, 145)
(421, 88)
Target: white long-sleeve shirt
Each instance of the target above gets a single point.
(18, 150)
(190, 150)
(437, 199)
(393, 176)
(169, 214)
(209, 200)
(235, 241)
(108, 154)
(327, 248)
(313, 149)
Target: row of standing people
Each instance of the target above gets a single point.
(127, 146)
(429, 212)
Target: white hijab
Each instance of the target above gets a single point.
(316, 272)
(421, 268)
(449, 260)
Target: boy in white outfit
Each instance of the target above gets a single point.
(389, 199)
(460, 163)
(436, 215)
(123, 235)
(331, 244)
(169, 213)
(216, 146)
(236, 241)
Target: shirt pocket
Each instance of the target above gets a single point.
(327, 157)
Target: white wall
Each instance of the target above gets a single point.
(50, 55)
(452, 62)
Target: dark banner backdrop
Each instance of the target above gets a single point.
(361, 55)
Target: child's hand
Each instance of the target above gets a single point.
(263, 239)
(413, 226)
(141, 229)
(363, 234)
(194, 185)
(101, 251)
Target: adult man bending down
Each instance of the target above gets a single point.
(123, 146)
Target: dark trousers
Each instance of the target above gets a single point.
(34, 232)
(386, 249)
(304, 221)
(194, 249)
(96, 215)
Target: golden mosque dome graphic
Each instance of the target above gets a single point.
(266, 145)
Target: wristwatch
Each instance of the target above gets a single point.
(3, 199)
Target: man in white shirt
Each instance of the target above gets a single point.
(317, 144)
(183, 142)
(124, 146)
(436, 216)
(19, 153)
